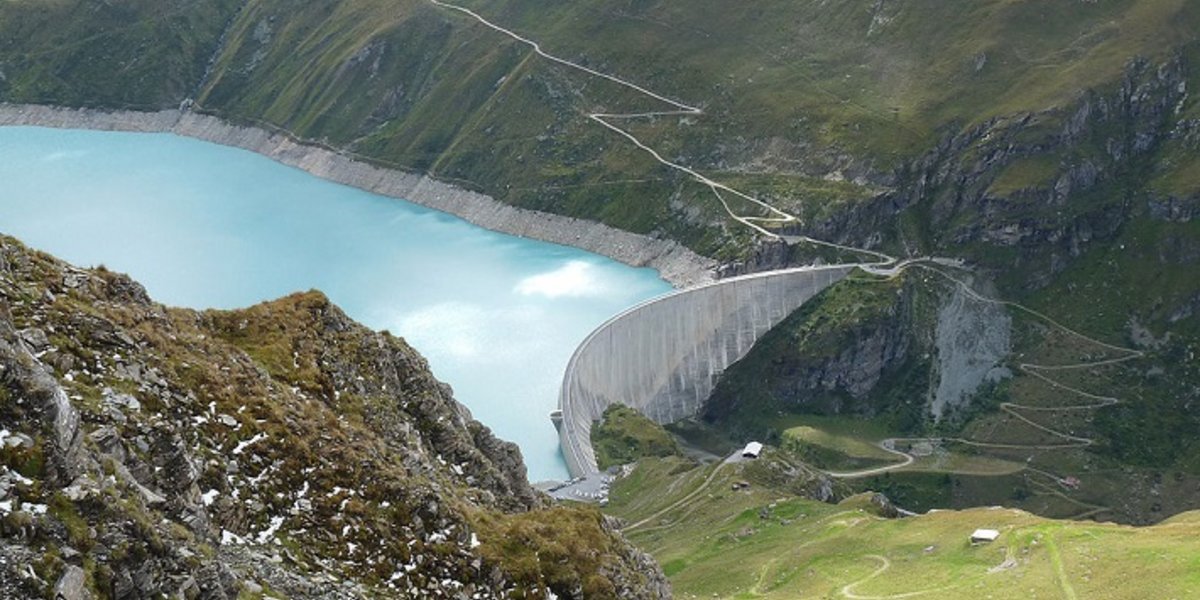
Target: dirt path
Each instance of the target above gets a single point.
(885, 564)
(677, 108)
(681, 501)
(887, 445)
(1039, 371)
(1060, 570)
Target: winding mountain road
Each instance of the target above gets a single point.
(880, 264)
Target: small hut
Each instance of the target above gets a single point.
(984, 536)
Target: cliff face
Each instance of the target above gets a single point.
(913, 351)
(1032, 191)
(146, 450)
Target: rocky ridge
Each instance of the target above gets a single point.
(277, 450)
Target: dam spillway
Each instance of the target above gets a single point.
(663, 357)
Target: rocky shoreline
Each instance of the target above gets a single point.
(675, 263)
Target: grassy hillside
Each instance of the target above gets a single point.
(760, 543)
(793, 92)
(138, 54)
(624, 436)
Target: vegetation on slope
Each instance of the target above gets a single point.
(623, 436)
(852, 349)
(152, 451)
(1052, 144)
(140, 54)
(794, 93)
(758, 542)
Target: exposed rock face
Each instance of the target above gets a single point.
(857, 368)
(149, 451)
(972, 339)
(920, 347)
(28, 380)
(71, 586)
(1089, 150)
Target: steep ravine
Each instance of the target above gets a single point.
(149, 451)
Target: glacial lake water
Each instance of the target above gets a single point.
(207, 226)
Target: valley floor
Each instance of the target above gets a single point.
(758, 542)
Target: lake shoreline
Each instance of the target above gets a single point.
(676, 264)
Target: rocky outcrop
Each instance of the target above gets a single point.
(856, 368)
(1095, 152)
(148, 451)
(1174, 209)
(678, 265)
(47, 404)
(919, 347)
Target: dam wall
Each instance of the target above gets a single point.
(663, 357)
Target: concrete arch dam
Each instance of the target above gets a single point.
(663, 356)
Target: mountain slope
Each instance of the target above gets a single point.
(759, 542)
(796, 95)
(148, 450)
(1052, 145)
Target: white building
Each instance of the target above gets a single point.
(983, 536)
(752, 450)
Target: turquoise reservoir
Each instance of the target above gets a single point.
(207, 226)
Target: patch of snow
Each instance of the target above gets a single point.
(269, 532)
(241, 447)
(209, 497)
(19, 477)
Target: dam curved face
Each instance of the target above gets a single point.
(664, 356)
